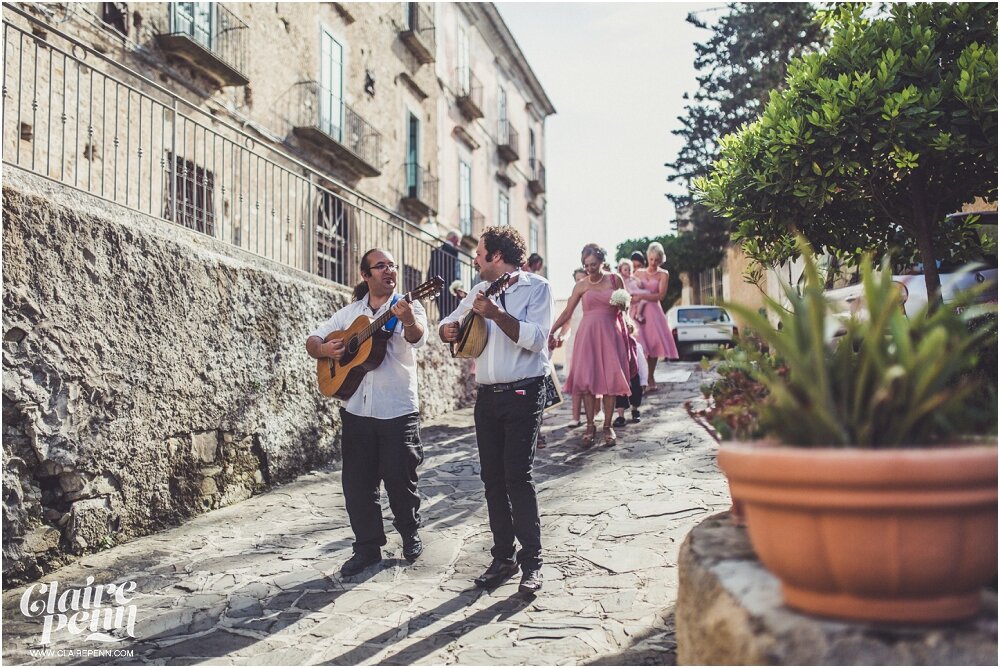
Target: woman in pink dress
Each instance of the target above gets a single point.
(654, 334)
(565, 337)
(600, 357)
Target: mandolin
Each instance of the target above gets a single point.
(472, 333)
(365, 343)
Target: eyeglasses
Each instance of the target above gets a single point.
(384, 266)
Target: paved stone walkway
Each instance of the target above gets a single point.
(259, 583)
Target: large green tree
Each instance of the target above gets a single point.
(872, 140)
(743, 59)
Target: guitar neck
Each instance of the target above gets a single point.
(379, 322)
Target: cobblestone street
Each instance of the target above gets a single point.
(259, 583)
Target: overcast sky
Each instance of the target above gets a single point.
(616, 74)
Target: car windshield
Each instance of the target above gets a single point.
(702, 316)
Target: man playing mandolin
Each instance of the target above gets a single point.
(381, 422)
(510, 372)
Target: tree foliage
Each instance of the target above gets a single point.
(872, 141)
(742, 61)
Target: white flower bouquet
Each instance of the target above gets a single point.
(620, 298)
(455, 286)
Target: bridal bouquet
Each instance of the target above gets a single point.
(620, 298)
(455, 286)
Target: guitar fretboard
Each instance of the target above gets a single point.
(377, 324)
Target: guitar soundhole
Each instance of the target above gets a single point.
(352, 346)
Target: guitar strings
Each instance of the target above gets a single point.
(418, 293)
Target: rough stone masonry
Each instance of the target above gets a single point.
(152, 373)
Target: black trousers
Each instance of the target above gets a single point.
(636, 399)
(507, 426)
(377, 451)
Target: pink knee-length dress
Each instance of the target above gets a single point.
(654, 334)
(600, 358)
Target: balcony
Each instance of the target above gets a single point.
(471, 222)
(318, 116)
(420, 190)
(418, 30)
(536, 176)
(507, 140)
(468, 93)
(210, 38)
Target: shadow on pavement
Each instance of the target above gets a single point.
(501, 610)
(265, 618)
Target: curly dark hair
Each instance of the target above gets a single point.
(505, 240)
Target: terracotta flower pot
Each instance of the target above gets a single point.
(902, 535)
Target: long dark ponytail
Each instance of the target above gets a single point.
(361, 289)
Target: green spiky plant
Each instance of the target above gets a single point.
(889, 381)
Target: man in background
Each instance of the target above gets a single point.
(534, 264)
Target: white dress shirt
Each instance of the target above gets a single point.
(529, 300)
(394, 381)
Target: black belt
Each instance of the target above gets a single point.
(507, 387)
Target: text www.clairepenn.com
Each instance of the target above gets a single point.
(70, 652)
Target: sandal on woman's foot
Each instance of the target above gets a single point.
(610, 437)
(589, 435)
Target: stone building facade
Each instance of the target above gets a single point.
(491, 116)
(187, 190)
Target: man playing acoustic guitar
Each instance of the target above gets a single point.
(381, 422)
(510, 372)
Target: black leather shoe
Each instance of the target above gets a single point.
(531, 581)
(359, 562)
(635, 415)
(499, 571)
(619, 422)
(413, 547)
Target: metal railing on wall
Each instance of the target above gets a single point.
(84, 120)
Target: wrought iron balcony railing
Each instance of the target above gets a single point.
(536, 176)
(320, 116)
(89, 124)
(418, 30)
(507, 140)
(468, 93)
(420, 189)
(471, 222)
(211, 38)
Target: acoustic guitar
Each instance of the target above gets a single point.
(365, 343)
(473, 333)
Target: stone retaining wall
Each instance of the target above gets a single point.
(152, 373)
(730, 612)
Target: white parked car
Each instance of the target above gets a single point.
(849, 301)
(701, 329)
